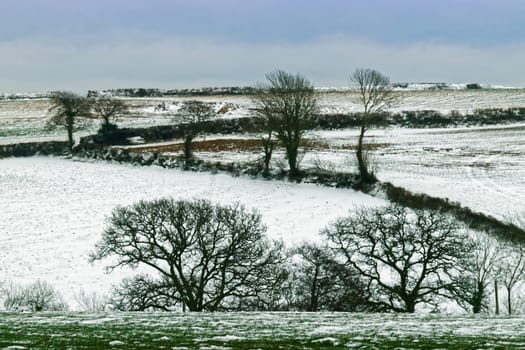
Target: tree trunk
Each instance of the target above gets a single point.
(69, 127)
(188, 151)
(361, 163)
(193, 306)
(509, 300)
(496, 296)
(477, 299)
(292, 161)
(313, 291)
(268, 150)
(410, 306)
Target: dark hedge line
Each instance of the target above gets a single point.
(34, 148)
(428, 118)
(170, 132)
(475, 220)
(393, 193)
(410, 119)
(206, 91)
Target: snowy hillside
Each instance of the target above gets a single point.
(53, 210)
(50, 200)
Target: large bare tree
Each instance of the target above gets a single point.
(67, 106)
(212, 256)
(406, 258)
(375, 94)
(289, 103)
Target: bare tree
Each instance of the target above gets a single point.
(193, 114)
(289, 103)
(405, 258)
(91, 301)
(375, 94)
(41, 296)
(38, 296)
(211, 255)
(14, 296)
(67, 106)
(323, 283)
(109, 108)
(471, 286)
(511, 270)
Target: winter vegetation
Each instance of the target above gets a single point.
(259, 330)
(265, 200)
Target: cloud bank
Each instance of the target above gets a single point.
(137, 60)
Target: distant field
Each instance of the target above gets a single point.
(26, 119)
(258, 331)
(480, 167)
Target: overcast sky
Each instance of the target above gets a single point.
(98, 44)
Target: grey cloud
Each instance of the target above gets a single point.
(167, 62)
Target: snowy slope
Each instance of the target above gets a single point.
(52, 212)
(480, 167)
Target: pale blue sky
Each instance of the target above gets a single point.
(97, 44)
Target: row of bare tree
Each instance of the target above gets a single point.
(200, 256)
(67, 107)
(288, 103)
(290, 106)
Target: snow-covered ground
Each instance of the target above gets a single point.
(480, 167)
(48, 200)
(52, 212)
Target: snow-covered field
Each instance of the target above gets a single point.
(52, 212)
(480, 167)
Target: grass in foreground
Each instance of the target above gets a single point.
(257, 331)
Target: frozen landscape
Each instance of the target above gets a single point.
(54, 210)
(50, 200)
(266, 175)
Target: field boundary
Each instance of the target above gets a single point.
(395, 194)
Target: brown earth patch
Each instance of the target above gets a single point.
(218, 145)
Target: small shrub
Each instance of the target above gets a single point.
(91, 302)
(39, 296)
(14, 296)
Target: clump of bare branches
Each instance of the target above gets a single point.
(289, 104)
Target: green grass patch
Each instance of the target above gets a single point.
(257, 331)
